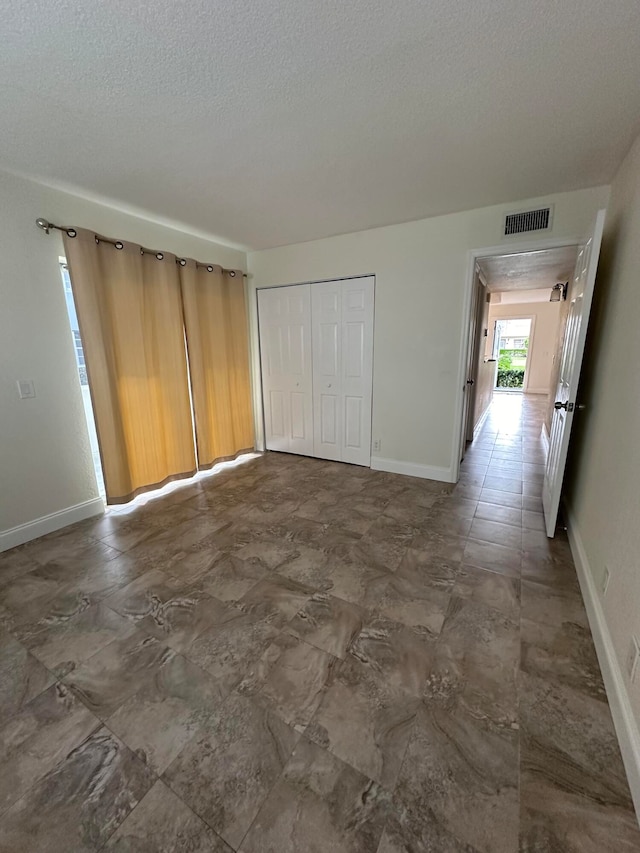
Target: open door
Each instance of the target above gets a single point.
(580, 295)
(466, 433)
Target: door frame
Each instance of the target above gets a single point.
(256, 355)
(510, 248)
(532, 332)
(475, 343)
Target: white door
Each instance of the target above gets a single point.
(475, 329)
(580, 295)
(342, 313)
(357, 369)
(326, 311)
(285, 350)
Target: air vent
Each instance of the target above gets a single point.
(527, 220)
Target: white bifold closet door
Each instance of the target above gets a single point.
(287, 381)
(316, 343)
(342, 334)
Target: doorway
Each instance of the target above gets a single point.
(560, 276)
(511, 341)
(514, 353)
(516, 330)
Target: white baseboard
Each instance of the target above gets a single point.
(412, 469)
(481, 419)
(619, 703)
(544, 435)
(48, 523)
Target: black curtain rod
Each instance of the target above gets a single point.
(72, 232)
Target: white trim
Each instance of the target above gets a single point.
(532, 336)
(544, 435)
(482, 419)
(412, 469)
(316, 281)
(472, 257)
(619, 702)
(48, 523)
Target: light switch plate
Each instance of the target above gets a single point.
(26, 389)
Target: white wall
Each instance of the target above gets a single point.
(542, 343)
(604, 494)
(421, 271)
(45, 459)
(509, 297)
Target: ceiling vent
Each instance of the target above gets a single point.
(527, 220)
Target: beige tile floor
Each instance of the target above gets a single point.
(298, 655)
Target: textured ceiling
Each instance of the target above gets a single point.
(275, 122)
(528, 270)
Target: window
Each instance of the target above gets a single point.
(82, 373)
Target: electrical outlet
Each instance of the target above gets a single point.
(606, 577)
(377, 445)
(632, 659)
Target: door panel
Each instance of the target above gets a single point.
(275, 351)
(327, 355)
(354, 350)
(468, 395)
(329, 404)
(296, 349)
(357, 369)
(298, 425)
(353, 423)
(285, 347)
(580, 295)
(276, 415)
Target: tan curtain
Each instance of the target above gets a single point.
(216, 328)
(130, 315)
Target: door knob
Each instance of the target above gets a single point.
(568, 407)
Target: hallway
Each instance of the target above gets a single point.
(509, 447)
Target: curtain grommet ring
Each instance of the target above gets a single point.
(209, 268)
(97, 239)
(159, 256)
(119, 244)
(182, 262)
(71, 232)
(232, 273)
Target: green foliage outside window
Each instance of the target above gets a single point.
(510, 378)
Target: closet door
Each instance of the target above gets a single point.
(342, 314)
(285, 349)
(326, 311)
(357, 369)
